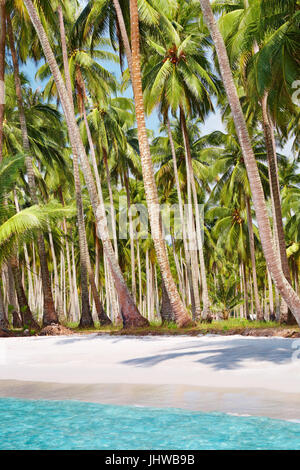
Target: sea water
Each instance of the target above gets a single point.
(42, 424)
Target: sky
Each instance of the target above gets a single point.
(212, 123)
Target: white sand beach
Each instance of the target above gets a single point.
(244, 375)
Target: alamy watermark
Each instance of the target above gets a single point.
(175, 223)
(296, 94)
(3, 356)
(296, 353)
(2, 92)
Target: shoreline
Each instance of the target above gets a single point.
(257, 402)
(232, 374)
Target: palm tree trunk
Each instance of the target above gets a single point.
(75, 290)
(56, 288)
(3, 317)
(111, 201)
(259, 312)
(286, 315)
(50, 315)
(205, 296)
(180, 274)
(274, 185)
(31, 299)
(271, 298)
(27, 318)
(12, 295)
(130, 314)
(140, 275)
(86, 319)
(124, 34)
(287, 292)
(94, 281)
(131, 236)
(103, 318)
(166, 311)
(245, 289)
(192, 280)
(181, 315)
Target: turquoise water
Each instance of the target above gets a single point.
(41, 424)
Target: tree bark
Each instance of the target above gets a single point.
(3, 317)
(286, 315)
(27, 318)
(192, 279)
(166, 311)
(205, 297)
(131, 236)
(259, 312)
(111, 201)
(274, 265)
(124, 34)
(86, 319)
(181, 315)
(272, 315)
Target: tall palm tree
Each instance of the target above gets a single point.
(274, 265)
(130, 314)
(50, 314)
(264, 40)
(233, 184)
(178, 75)
(80, 64)
(180, 313)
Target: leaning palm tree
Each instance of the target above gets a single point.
(264, 41)
(95, 16)
(130, 314)
(273, 262)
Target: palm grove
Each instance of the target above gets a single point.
(70, 149)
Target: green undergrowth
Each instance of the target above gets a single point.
(155, 328)
(231, 326)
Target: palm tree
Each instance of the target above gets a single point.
(130, 314)
(233, 184)
(80, 64)
(114, 138)
(288, 294)
(50, 315)
(224, 292)
(181, 316)
(15, 227)
(178, 76)
(273, 41)
(100, 13)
